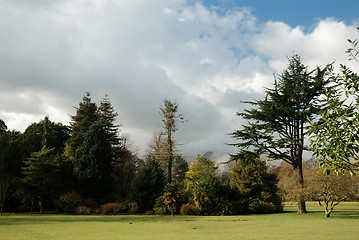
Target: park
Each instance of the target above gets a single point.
(215, 122)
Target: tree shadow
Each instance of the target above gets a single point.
(16, 219)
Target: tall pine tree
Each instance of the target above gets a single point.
(93, 165)
(86, 115)
(107, 117)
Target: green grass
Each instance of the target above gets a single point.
(343, 224)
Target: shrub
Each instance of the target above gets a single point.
(258, 206)
(149, 212)
(190, 209)
(173, 197)
(226, 207)
(131, 207)
(83, 210)
(160, 207)
(89, 202)
(96, 211)
(69, 202)
(112, 208)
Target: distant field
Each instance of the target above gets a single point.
(344, 224)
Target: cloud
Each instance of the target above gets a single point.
(141, 52)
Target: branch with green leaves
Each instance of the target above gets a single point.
(353, 51)
(335, 133)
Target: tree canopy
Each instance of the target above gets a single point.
(335, 134)
(276, 125)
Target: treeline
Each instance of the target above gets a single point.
(87, 168)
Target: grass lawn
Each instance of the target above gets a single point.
(344, 224)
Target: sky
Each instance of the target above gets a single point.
(208, 56)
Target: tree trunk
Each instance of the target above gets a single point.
(169, 174)
(301, 207)
(301, 202)
(170, 155)
(2, 205)
(327, 214)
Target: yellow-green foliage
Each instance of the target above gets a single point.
(203, 165)
(190, 209)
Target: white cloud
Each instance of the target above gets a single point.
(140, 52)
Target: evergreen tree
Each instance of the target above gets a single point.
(147, 185)
(125, 171)
(3, 127)
(256, 186)
(43, 173)
(107, 117)
(276, 127)
(45, 132)
(86, 115)
(180, 167)
(93, 163)
(9, 162)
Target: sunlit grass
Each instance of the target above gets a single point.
(288, 225)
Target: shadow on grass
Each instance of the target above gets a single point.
(43, 218)
(351, 215)
(19, 219)
(15, 219)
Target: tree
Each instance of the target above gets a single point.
(124, 161)
(5, 182)
(169, 118)
(147, 185)
(158, 149)
(203, 185)
(45, 132)
(335, 135)
(202, 166)
(10, 163)
(173, 197)
(289, 188)
(7, 162)
(125, 169)
(256, 185)
(180, 167)
(107, 117)
(93, 163)
(42, 172)
(49, 135)
(330, 190)
(86, 115)
(277, 125)
(4, 179)
(3, 127)
(353, 51)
